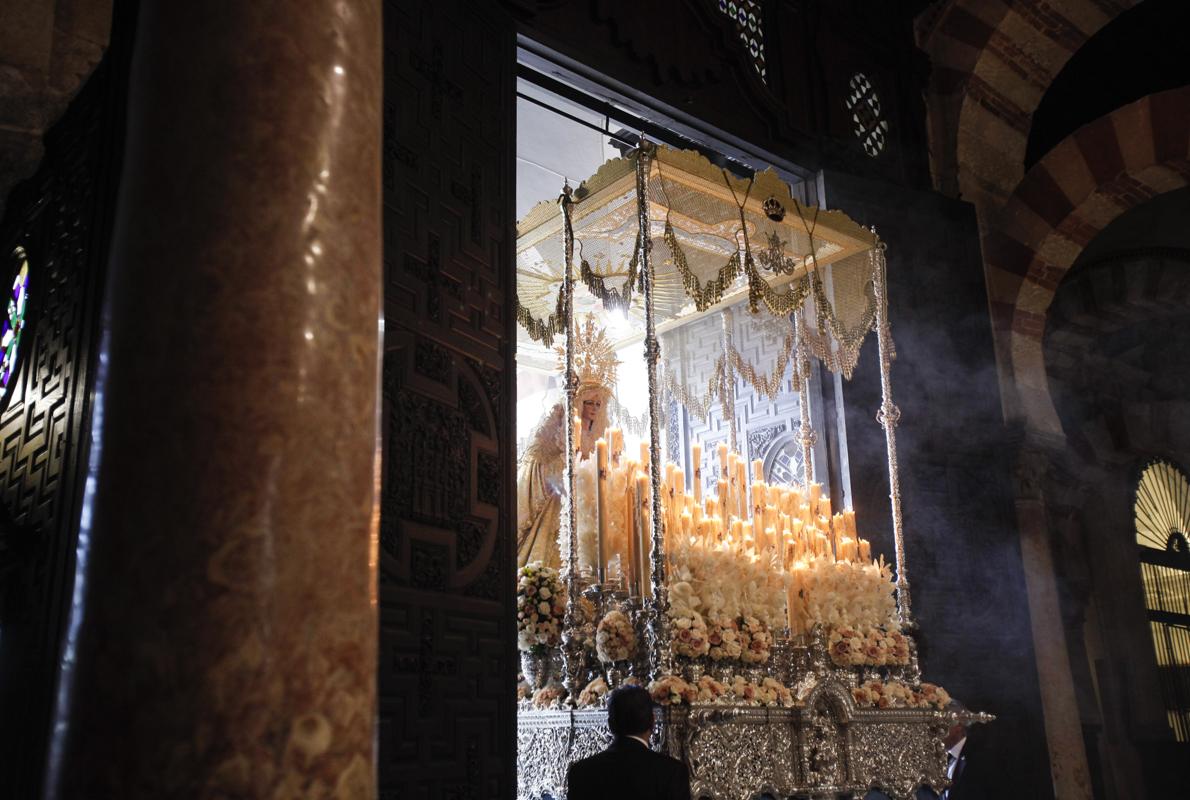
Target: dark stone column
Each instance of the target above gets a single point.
(227, 635)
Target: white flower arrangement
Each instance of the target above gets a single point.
(874, 647)
(615, 639)
(593, 693)
(548, 697)
(540, 606)
(769, 692)
(848, 594)
(757, 641)
(709, 690)
(672, 690)
(721, 586)
(894, 694)
(723, 638)
(689, 635)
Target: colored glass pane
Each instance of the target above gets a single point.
(14, 322)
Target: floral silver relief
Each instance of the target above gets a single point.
(824, 748)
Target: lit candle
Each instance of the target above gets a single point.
(633, 530)
(733, 487)
(696, 464)
(757, 509)
(616, 441)
(815, 493)
(849, 523)
(797, 586)
(741, 482)
(757, 470)
(723, 459)
(644, 455)
(601, 497)
(644, 533)
(824, 506)
(667, 497)
(865, 550)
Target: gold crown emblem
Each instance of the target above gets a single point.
(595, 359)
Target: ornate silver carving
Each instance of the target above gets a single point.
(572, 645)
(823, 748)
(888, 417)
(806, 434)
(657, 619)
(727, 392)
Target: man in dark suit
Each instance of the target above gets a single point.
(628, 769)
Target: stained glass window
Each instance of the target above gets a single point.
(1162, 513)
(867, 117)
(749, 24)
(14, 322)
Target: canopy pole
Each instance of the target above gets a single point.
(888, 417)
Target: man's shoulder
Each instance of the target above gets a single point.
(673, 763)
(591, 762)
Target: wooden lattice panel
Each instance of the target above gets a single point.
(446, 645)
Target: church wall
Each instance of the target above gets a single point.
(687, 58)
(62, 216)
(963, 553)
(446, 660)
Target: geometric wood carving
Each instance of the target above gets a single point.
(446, 644)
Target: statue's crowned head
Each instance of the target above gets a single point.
(595, 365)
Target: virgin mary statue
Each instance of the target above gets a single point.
(541, 482)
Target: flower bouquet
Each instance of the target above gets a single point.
(690, 635)
(758, 641)
(593, 693)
(894, 694)
(615, 638)
(723, 639)
(548, 697)
(873, 647)
(540, 606)
(671, 690)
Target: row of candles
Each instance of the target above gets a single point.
(785, 525)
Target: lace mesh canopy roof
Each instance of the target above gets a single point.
(716, 239)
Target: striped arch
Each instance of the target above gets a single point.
(992, 62)
(1105, 168)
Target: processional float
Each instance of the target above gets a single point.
(780, 650)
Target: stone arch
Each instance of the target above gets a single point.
(47, 52)
(1105, 168)
(992, 63)
(1096, 301)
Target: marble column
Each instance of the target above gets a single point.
(224, 640)
(1063, 722)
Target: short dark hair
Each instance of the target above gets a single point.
(629, 711)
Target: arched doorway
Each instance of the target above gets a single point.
(1162, 518)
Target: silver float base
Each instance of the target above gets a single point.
(822, 749)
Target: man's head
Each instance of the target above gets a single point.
(630, 712)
